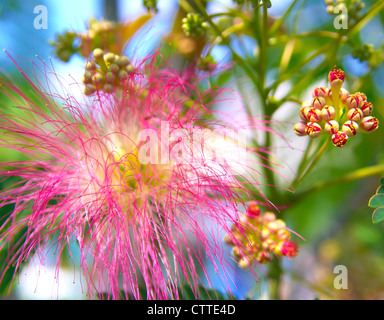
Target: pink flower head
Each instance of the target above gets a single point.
(289, 249)
(119, 176)
(336, 76)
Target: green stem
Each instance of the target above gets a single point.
(353, 176)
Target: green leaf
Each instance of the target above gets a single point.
(380, 190)
(376, 201)
(378, 215)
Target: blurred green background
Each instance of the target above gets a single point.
(333, 216)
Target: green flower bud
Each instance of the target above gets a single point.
(110, 77)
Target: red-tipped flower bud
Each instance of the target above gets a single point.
(339, 139)
(366, 108)
(253, 209)
(369, 124)
(331, 127)
(355, 114)
(320, 92)
(328, 113)
(318, 103)
(350, 128)
(289, 249)
(300, 129)
(336, 77)
(313, 129)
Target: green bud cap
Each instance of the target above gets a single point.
(87, 78)
(108, 88)
(98, 78)
(123, 74)
(110, 77)
(110, 57)
(122, 61)
(89, 89)
(114, 68)
(90, 65)
(98, 53)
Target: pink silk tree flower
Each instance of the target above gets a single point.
(120, 176)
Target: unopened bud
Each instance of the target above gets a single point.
(98, 53)
(253, 209)
(366, 108)
(350, 128)
(369, 124)
(336, 77)
(354, 101)
(300, 128)
(313, 130)
(320, 92)
(339, 139)
(318, 102)
(109, 57)
(328, 113)
(355, 114)
(331, 127)
(269, 216)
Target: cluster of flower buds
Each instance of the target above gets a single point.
(354, 8)
(193, 25)
(367, 52)
(258, 237)
(64, 48)
(106, 71)
(335, 112)
(151, 5)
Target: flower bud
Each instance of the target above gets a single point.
(299, 128)
(331, 127)
(263, 257)
(123, 74)
(366, 108)
(237, 253)
(90, 65)
(320, 92)
(350, 128)
(283, 234)
(354, 101)
(122, 61)
(344, 95)
(303, 112)
(306, 103)
(312, 114)
(245, 262)
(229, 240)
(328, 113)
(336, 77)
(110, 77)
(89, 89)
(355, 114)
(98, 53)
(253, 209)
(98, 78)
(318, 103)
(108, 87)
(369, 124)
(289, 249)
(269, 216)
(339, 139)
(109, 57)
(313, 129)
(114, 68)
